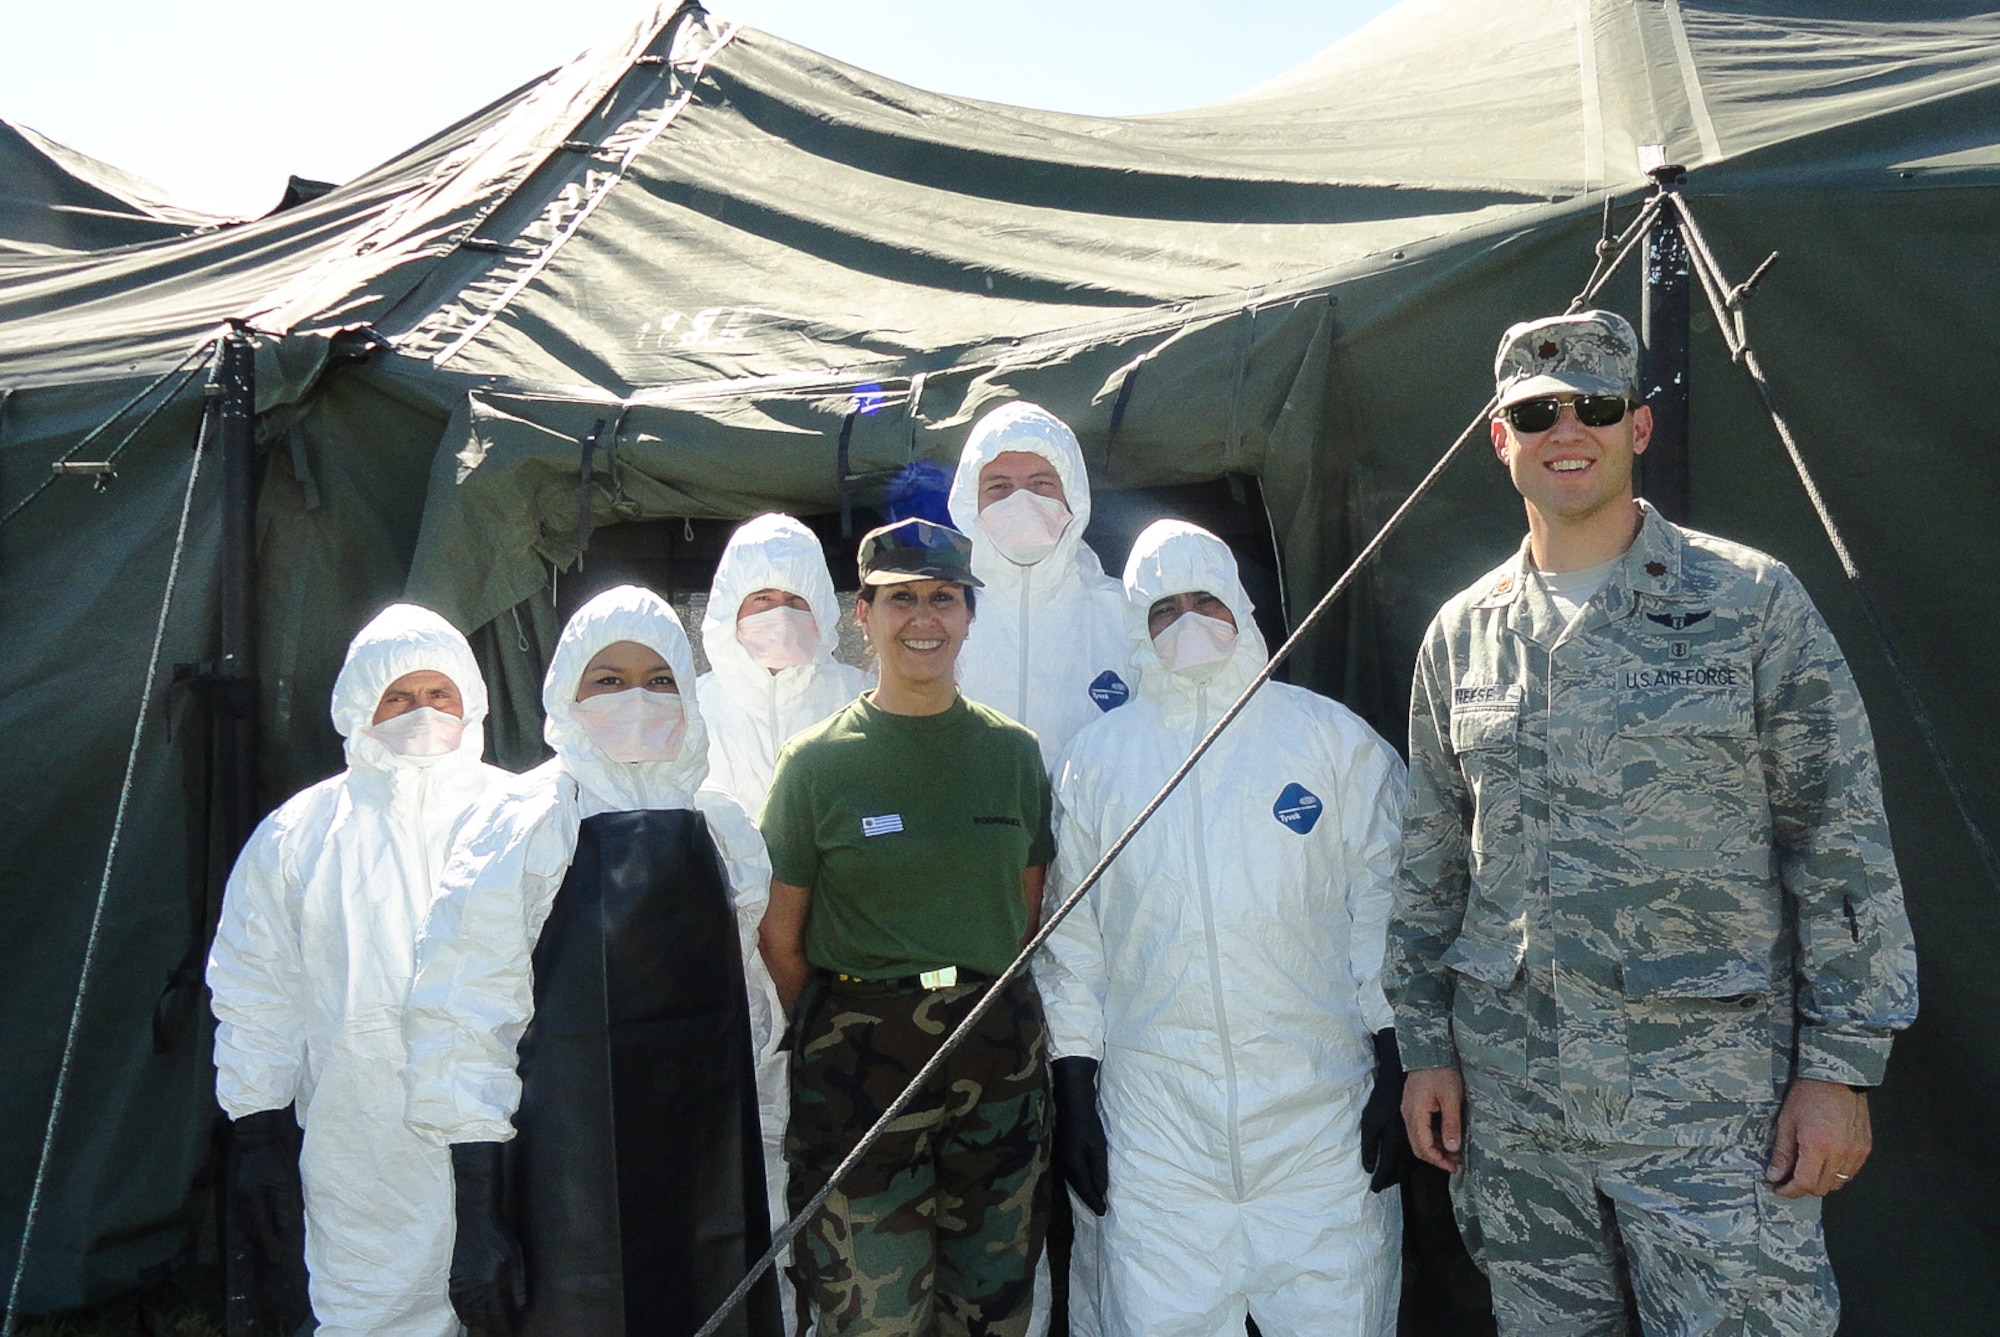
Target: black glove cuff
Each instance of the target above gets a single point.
(1387, 1056)
(477, 1161)
(265, 1128)
(1075, 1075)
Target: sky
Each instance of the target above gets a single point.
(218, 102)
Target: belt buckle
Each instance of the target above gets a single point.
(939, 979)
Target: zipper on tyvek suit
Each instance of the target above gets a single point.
(424, 838)
(421, 779)
(1021, 675)
(1215, 982)
(768, 762)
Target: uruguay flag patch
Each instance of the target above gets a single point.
(1298, 808)
(889, 823)
(1109, 691)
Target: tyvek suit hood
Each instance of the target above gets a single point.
(1226, 972)
(404, 638)
(771, 552)
(627, 613)
(1051, 644)
(753, 711)
(1175, 557)
(310, 971)
(1030, 428)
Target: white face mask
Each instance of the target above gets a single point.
(1194, 642)
(635, 724)
(1025, 525)
(779, 637)
(423, 732)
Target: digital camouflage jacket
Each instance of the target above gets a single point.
(1646, 879)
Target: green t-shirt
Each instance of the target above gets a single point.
(912, 832)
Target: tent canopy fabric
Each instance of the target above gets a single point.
(777, 280)
(54, 199)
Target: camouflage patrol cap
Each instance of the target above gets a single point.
(1589, 353)
(916, 549)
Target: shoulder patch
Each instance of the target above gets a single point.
(1109, 691)
(1298, 808)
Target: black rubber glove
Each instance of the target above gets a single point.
(489, 1284)
(1385, 1142)
(264, 1187)
(1083, 1157)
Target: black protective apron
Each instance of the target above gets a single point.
(638, 1170)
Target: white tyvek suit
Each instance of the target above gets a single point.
(1226, 972)
(309, 972)
(1051, 646)
(751, 713)
(474, 993)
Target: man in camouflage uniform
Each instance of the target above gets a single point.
(1649, 947)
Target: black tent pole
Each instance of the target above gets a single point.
(261, 1294)
(236, 666)
(1664, 304)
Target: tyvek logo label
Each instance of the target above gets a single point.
(1109, 691)
(1298, 808)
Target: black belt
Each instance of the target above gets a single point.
(946, 978)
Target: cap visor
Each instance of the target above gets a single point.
(906, 577)
(1568, 384)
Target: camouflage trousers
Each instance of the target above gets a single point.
(1574, 1235)
(937, 1230)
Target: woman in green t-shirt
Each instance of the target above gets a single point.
(909, 833)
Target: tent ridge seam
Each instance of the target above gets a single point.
(283, 302)
(1704, 125)
(616, 174)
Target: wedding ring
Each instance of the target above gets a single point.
(1838, 1175)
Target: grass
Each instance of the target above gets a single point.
(168, 1310)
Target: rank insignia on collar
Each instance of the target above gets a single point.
(1502, 585)
(1656, 568)
(1680, 621)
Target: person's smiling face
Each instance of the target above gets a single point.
(916, 627)
(623, 665)
(1570, 473)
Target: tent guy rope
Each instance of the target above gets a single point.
(203, 351)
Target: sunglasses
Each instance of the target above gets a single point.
(1540, 414)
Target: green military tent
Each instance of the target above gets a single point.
(776, 280)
